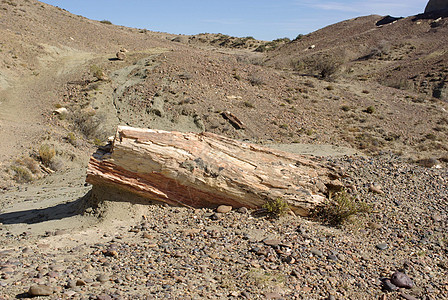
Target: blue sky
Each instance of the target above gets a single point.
(262, 19)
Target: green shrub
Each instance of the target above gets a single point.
(340, 209)
(106, 22)
(370, 110)
(276, 208)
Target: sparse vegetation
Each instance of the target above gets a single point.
(256, 79)
(276, 208)
(107, 22)
(370, 110)
(88, 123)
(249, 104)
(71, 138)
(341, 208)
(46, 154)
(98, 72)
(346, 108)
(323, 66)
(22, 174)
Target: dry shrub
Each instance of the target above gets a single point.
(46, 154)
(256, 79)
(88, 123)
(323, 66)
(29, 163)
(22, 174)
(341, 208)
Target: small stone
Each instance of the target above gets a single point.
(243, 210)
(332, 257)
(27, 251)
(104, 297)
(215, 217)
(53, 274)
(382, 246)
(121, 55)
(289, 259)
(147, 235)
(407, 297)
(307, 289)
(224, 209)
(40, 290)
(7, 270)
(295, 273)
(102, 278)
(331, 297)
(272, 296)
(389, 286)
(317, 252)
(69, 293)
(80, 282)
(375, 189)
(401, 280)
(374, 225)
(111, 253)
(245, 295)
(271, 242)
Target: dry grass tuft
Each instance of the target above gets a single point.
(46, 154)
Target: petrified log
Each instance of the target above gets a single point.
(205, 170)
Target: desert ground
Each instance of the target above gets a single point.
(373, 103)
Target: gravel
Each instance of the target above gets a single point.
(184, 253)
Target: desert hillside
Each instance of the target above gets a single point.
(367, 97)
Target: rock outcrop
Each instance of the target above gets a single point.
(436, 5)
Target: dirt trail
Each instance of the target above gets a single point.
(26, 102)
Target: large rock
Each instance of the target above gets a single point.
(204, 170)
(436, 5)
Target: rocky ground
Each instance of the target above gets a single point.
(379, 101)
(181, 253)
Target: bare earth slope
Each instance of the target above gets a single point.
(382, 106)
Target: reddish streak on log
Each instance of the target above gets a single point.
(154, 185)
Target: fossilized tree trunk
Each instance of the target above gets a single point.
(205, 170)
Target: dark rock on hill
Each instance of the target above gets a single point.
(436, 5)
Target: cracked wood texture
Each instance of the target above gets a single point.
(206, 170)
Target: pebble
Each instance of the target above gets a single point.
(224, 209)
(272, 296)
(215, 217)
(271, 242)
(375, 189)
(407, 297)
(40, 290)
(80, 282)
(389, 286)
(401, 280)
(243, 210)
(382, 246)
(332, 257)
(102, 278)
(317, 252)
